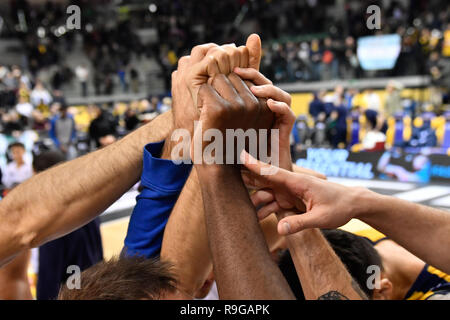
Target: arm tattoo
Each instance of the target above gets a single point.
(332, 295)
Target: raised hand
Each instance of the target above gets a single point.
(321, 204)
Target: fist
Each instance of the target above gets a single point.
(227, 105)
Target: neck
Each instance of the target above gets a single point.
(401, 267)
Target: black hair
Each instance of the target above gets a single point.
(16, 145)
(47, 159)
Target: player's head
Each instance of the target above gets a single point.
(362, 261)
(133, 278)
(17, 151)
(359, 257)
(46, 160)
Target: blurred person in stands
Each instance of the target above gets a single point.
(166, 105)
(18, 170)
(393, 102)
(63, 131)
(350, 62)
(25, 109)
(330, 64)
(373, 140)
(82, 248)
(103, 125)
(316, 106)
(40, 95)
(316, 60)
(337, 124)
(372, 100)
(82, 74)
(439, 69)
(134, 79)
(131, 119)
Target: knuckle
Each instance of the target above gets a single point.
(237, 103)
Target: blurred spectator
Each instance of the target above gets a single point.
(316, 107)
(393, 102)
(166, 105)
(372, 101)
(131, 119)
(18, 170)
(134, 80)
(82, 73)
(103, 125)
(63, 132)
(40, 95)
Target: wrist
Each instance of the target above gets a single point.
(365, 203)
(211, 172)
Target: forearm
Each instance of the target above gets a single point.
(68, 196)
(242, 264)
(14, 284)
(424, 231)
(185, 242)
(321, 272)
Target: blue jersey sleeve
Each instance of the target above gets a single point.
(162, 181)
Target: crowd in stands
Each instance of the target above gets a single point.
(39, 119)
(372, 121)
(303, 39)
(333, 54)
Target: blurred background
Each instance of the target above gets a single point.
(372, 104)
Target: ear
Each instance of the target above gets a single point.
(384, 291)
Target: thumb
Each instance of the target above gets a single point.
(254, 48)
(299, 222)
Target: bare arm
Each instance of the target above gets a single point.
(322, 274)
(422, 230)
(68, 196)
(185, 242)
(242, 264)
(14, 283)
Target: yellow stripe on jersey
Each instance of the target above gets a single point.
(371, 234)
(438, 273)
(420, 295)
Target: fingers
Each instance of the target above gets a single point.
(199, 52)
(254, 48)
(244, 92)
(222, 58)
(207, 93)
(262, 197)
(226, 90)
(208, 67)
(283, 112)
(184, 62)
(252, 180)
(267, 210)
(271, 173)
(244, 57)
(309, 172)
(233, 55)
(252, 75)
(270, 91)
(299, 222)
